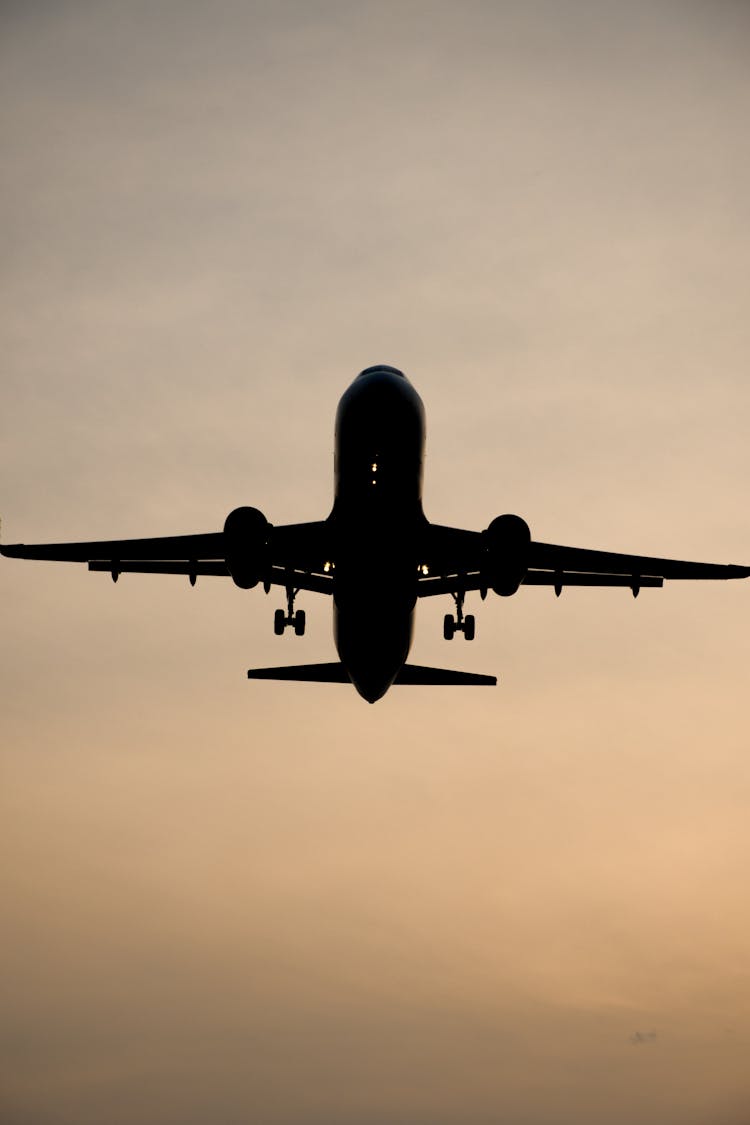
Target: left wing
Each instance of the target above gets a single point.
(550, 556)
(458, 560)
(296, 555)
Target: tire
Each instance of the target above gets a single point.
(469, 627)
(299, 623)
(279, 622)
(449, 627)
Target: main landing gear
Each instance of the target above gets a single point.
(296, 620)
(459, 623)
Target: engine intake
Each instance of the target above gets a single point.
(247, 534)
(507, 541)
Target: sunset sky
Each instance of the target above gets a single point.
(241, 902)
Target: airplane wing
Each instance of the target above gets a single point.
(297, 555)
(455, 560)
(458, 561)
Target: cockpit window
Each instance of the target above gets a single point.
(382, 367)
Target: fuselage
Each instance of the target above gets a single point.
(376, 526)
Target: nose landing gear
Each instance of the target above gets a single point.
(295, 620)
(459, 623)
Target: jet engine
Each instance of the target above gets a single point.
(507, 542)
(246, 538)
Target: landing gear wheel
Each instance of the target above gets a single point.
(469, 627)
(296, 620)
(449, 626)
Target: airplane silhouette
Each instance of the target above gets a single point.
(376, 553)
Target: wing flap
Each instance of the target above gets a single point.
(115, 566)
(297, 579)
(464, 583)
(566, 578)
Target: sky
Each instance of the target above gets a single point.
(268, 902)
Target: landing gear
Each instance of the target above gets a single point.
(459, 623)
(282, 619)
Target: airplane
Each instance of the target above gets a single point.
(376, 553)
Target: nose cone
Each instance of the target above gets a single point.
(381, 369)
(381, 398)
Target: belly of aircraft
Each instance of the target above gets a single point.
(374, 622)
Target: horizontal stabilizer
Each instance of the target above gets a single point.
(418, 674)
(335, 673)
(314, 673)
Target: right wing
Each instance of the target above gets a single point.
(297, 555)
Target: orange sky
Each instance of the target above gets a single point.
(264, 902)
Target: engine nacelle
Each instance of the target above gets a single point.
(246, 541)
(507, 542)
